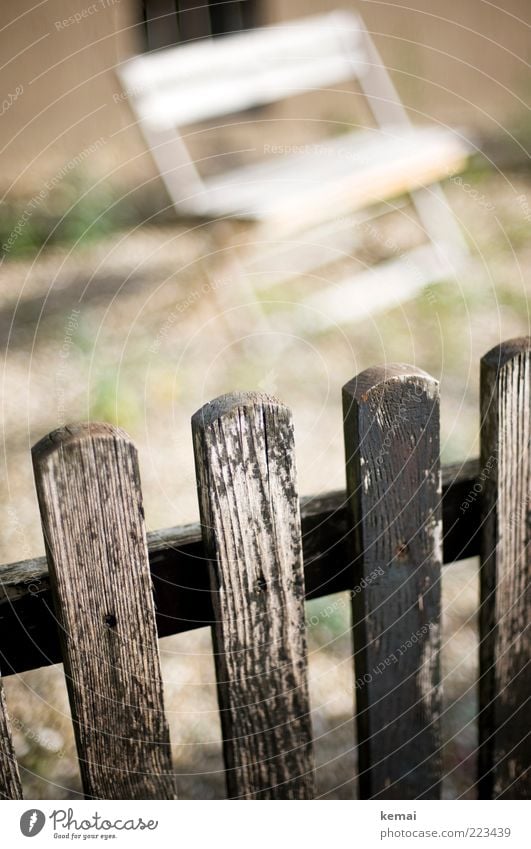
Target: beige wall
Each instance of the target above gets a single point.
(460, 61)
(452, 60)
(66, 107)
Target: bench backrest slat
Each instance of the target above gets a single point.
(393, 483)
(505, 647)
(209, 78)
(89, 495)
(249, 508)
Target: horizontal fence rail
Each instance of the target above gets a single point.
(179, 570)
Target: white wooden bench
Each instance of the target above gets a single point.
(287, 194)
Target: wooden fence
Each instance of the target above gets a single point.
(106, 591)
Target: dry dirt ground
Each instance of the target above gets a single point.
(134, 330)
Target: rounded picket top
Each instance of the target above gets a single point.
(501, 354)
(71, 434)
(362, 386)
(228, 405)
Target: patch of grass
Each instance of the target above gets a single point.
(75, 210)
(328, 619)
(114, 400)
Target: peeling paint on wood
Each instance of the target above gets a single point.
(505, 646)
(89, 494)
(249, 508)
(394, 487)
(10, 786)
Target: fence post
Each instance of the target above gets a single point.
(391, 417)
(10, 786)
(90, 499)
(245, 464)
(504, 486)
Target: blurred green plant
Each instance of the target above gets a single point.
(114, 400)
(75, 210)
(328, 619)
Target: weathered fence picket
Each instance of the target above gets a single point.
(10, 785)
(249, 508)
(505, 648)
(391, 417)
(247, 570)
(89, 495)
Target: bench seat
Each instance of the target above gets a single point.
(332, 177)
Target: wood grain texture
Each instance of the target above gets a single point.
(244, 455)
(505, 649)
(179, 571)
(10, 786)
(89, 494)
(393, 480)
